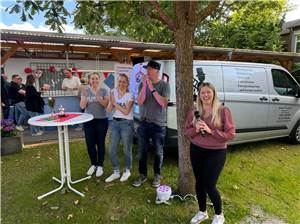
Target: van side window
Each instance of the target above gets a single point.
(283, 84)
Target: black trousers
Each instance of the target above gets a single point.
(207, 165)
(95, 132)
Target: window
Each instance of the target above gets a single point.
(283, 83)
(298, 43)
(54, 79)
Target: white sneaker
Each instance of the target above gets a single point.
(41, 132)
(199, 217)
(36, 134)
(99, 171)
(115, 175)
(125, 175)
(19, 128)
(91, 170)
(218, 219)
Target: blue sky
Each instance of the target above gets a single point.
(12, 21)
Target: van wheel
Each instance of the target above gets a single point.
(295, 134)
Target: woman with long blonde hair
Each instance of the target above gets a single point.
(120, 104)
(209, 126)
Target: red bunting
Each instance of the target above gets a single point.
(105, 74)
(80, 74)
(28, 70)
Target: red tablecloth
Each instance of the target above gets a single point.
(56, 118)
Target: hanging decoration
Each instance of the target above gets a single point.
(38, 73)
(52, 69)
(105, 74)
(75, 70)
(28, 70)
(80, 74)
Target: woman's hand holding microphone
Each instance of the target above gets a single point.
(202, 126)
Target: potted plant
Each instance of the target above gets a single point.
(10, 141)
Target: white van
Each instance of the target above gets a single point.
(263, 98)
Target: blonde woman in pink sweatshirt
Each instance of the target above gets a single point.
(209, 126)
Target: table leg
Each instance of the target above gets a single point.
(68, 166)
(61, 157)
(62, 166)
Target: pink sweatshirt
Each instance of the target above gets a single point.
(219, 136)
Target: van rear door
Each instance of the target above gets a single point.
(246, 95)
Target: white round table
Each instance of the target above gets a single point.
(48, 120)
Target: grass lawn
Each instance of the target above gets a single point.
(265, 174)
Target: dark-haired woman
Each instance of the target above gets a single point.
(34, 103)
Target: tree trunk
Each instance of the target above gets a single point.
(184, 36)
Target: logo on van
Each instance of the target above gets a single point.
(200, 77)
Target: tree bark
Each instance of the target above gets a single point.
(184, 36)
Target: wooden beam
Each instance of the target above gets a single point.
(9, 53)
(288, 64)
(114, 52)
(120, 54)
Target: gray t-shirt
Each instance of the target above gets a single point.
(151, 111)
(93, 106)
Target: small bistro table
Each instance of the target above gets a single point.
(62, 123)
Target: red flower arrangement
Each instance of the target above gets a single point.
(28, 70)
(52, 69)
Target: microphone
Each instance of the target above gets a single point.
(197, 117)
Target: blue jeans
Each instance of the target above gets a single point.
(147, 131)
(5, 111)
(34, 129)
(121, 130)
(95, 132)
(21, 113)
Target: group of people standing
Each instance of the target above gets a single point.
(208, 132)
(153, 99)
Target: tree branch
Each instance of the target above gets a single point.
(204, 13)
(164, 17)
(157, 17)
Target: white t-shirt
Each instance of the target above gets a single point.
(71, 83)
(122, 102)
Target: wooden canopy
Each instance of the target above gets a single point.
(32, 44)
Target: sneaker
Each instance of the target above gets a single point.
(138, 182)
(125, 175)
(115, 175)
(218, 219)
(19, 128)
(36, 134)
(99, 171)
(199, 217)
(91, 170)
(156, 180)
(41, 132)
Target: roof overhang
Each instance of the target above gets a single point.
(118, 48)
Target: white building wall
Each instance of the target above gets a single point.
(17, 65)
